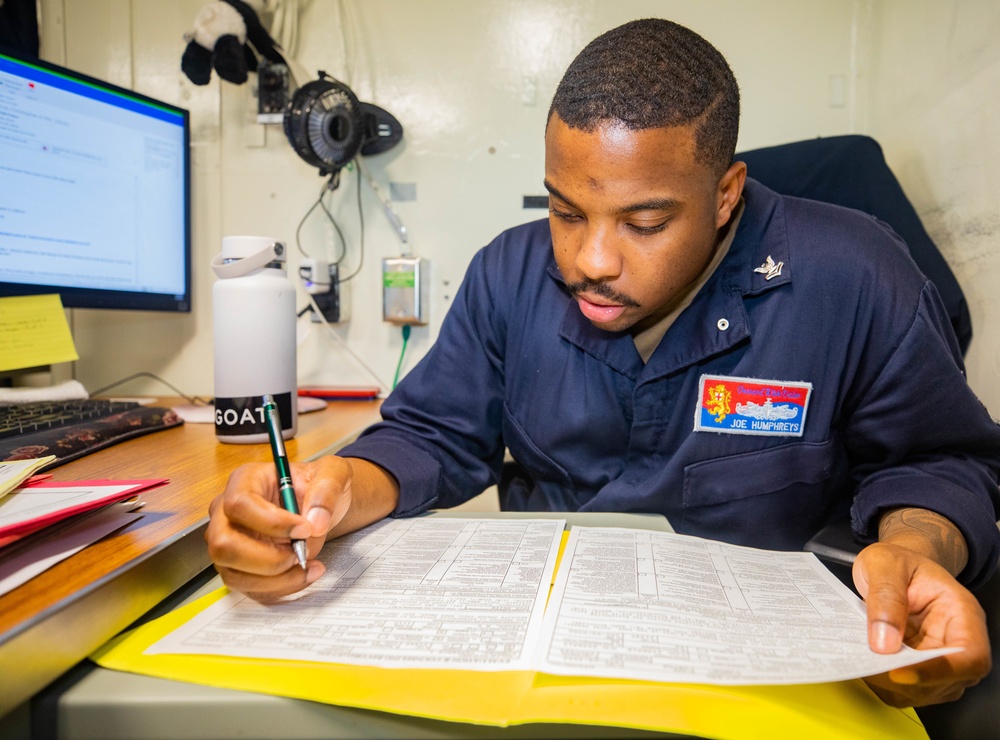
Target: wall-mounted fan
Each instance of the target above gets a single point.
(328, 126)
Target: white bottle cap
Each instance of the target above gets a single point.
(240, 247)
(241, 255)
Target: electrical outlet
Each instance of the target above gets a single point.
(272, 92)
(329, 304)
(332, 302)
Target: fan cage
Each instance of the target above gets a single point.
(325, 124)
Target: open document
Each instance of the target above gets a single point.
(414, 593)
(660, 606)
(627, 603)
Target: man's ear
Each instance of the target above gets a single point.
(729, 192)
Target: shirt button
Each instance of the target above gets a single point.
(723, 324)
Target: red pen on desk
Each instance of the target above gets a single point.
(341, 392)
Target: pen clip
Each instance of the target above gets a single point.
(272, 420)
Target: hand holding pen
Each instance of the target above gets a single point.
(285, 488)
(248, 531)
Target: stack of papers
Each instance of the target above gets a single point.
(43, 521)
(39, 505)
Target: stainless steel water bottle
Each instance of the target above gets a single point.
(253, 316)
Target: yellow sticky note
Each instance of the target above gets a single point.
(33, 332)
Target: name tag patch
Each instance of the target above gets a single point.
(751, 406)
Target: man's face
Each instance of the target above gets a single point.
(634, 218)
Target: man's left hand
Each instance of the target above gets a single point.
(913, 600)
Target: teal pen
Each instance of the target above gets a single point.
(285, 488)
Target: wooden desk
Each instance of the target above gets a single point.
(55, 620)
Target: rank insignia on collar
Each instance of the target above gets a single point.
(731, 405)
(770, 268)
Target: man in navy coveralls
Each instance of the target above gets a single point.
(679, 339)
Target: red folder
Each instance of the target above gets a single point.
(31, 519)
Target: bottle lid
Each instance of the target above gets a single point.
(239, 247)
(241, 255)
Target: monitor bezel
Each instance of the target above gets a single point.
(106, 298)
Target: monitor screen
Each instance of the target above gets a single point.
(94, 191)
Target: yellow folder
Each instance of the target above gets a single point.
(846, 710)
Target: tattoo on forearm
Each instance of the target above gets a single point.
(946, 541)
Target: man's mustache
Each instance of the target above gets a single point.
(602, 289)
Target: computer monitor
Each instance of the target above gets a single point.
(94, 191)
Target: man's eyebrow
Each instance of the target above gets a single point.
(553, 191)
(653, 204)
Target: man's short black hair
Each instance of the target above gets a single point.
(654, 73)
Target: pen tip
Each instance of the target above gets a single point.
(299, 546)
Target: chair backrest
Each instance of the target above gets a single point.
(851, 171)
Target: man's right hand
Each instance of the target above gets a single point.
(249, 534)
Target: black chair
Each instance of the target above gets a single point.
(851, 171)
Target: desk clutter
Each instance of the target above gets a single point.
(43, 522)
(86, 599)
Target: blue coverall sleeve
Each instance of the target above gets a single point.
(440, 436)
(921, 438)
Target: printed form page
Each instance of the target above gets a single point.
(658, 606)
(413, 593)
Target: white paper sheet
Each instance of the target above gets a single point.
(417, 593)
(666, 607)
